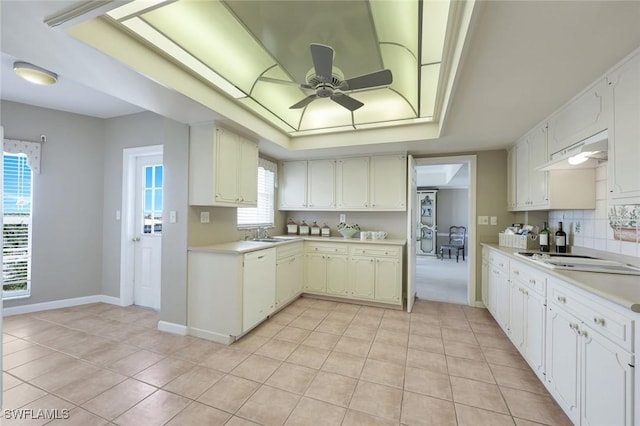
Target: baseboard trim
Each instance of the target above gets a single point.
(57, 304)
(171, 327)
(210, 335)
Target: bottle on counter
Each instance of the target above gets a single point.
(315, 229)
(561, 240)
(544, 239)
(292, 227)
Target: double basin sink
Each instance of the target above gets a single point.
(579, 263)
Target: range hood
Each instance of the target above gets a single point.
(586, 154)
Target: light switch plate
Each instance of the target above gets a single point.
(494, 220)
(204, 217)
(343, 218)
(173, 216)
(483, 220)
(118, 215)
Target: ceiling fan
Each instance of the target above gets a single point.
(328, 81)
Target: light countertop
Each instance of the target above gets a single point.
(621, 289)
(242, 246)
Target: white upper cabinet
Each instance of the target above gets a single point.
(511, 179)
(352, 183)
(388, 180)
(624, 135)
(321, 184)
(584, 116)
(293, 185)
(359, 183)
(223, 168)
(531, 184)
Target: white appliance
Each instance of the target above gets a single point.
(427, 225)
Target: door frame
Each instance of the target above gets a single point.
(471, 160)
(127, 227)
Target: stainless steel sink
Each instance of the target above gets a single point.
(269, 239)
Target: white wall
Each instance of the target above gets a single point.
(67, 201)
(452, 210)
(141, 130)
(590, 228)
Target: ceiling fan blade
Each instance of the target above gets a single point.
(347, 101)
(303, 103)
(322, 57)
(378, 78)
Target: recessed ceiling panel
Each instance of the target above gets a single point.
(428, 93)
(434, 26)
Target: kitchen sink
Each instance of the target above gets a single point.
(270, 239)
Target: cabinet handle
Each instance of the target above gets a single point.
(562, 299)
(582, 333)
(526, 293)
(260, 257)
(574, 327)
(532, 281)
(599, 321)
(516, 272)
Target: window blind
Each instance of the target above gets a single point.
(262, 215)
(17, 229)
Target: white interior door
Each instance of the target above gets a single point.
(148, 231)
(412, 220)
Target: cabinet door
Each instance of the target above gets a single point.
(516, 314)
(293, 185)
(297, 275)
(584, 116)
(538, 185)
(362, 272)
(624, 134)
(337, 275)
(562, 360)
(511, 179)
(321, 184)
(227, 163)
(316, 273)
(534, 332)
(388, 180)
(499, 293)
(607, 381)
(388, 281)
(485, 284)
(522, 175)
(352, 183)
(259, 287)
(248, 173)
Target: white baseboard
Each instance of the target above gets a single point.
(210, 335)
(57, 304)
(171, 327)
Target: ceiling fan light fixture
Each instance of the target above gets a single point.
(34, 74)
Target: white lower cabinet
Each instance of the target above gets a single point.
(356, 271)
(289, 273)
(485, 278)
(581, 346)
(258, 287)
(590, 376)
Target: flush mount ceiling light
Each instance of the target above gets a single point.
(34, 74)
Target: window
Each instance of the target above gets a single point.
(152, 200)
(17, 230)
(262, 215)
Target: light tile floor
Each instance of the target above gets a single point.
(314, 363)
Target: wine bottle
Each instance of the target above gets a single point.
(561, 240)
(544, 239)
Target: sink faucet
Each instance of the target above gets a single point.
(261, 232)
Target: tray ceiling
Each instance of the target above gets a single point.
(239, 48)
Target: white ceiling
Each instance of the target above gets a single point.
(522, 61)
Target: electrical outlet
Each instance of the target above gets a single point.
(204, 217)
(118, 215)
(483, 220)
(343, 218)
(494, 220)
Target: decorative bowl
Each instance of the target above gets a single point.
(348, 231)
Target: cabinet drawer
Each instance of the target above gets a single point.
(611, 324)
(327, 248)
(531, 278)
(499, 261)
(261, 255)
(287, 250)
(377, 251)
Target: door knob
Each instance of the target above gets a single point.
(135, 239)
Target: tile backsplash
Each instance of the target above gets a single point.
(615, 229)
